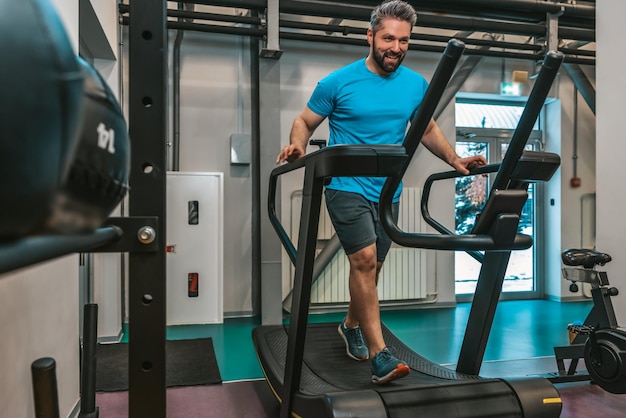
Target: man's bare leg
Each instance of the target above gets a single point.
(364, 307)
(364, 310)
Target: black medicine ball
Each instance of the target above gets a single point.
(98, 175)
(40, 110)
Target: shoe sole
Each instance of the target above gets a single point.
(345, 340)
(400, 371)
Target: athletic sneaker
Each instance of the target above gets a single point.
(385, 368)
(355, 344)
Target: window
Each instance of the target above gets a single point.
(484, 115)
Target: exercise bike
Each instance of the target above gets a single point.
(598, 339)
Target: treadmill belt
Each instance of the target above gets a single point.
(325, 355)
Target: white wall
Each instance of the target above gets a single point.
(39, 318)
(580, 158)
(215, 103)
(611, 148)
(552, 213)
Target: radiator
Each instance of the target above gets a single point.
(403, 277)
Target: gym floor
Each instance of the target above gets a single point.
(521, 343)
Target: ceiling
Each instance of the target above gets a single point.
(519, 29)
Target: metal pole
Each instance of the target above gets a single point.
(45, 391)
(88, 407)
(148, 128)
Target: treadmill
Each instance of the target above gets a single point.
(305, 364)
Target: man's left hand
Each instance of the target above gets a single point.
(464, 165)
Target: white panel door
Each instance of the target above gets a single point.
(194, 248)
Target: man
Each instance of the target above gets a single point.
(370, 101)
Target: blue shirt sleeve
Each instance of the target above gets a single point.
(322, 100)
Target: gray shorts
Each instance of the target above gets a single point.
(357, 223)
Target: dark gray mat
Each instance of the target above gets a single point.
(188, 363)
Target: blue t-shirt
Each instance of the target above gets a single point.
(364, 108)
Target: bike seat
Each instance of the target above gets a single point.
(584, 257)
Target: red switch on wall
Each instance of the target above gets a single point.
(192, 285)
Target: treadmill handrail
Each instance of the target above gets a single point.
(446, 175)
(536, 157)
(471, 242)
(369, 160)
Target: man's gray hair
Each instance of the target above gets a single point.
(396, 9)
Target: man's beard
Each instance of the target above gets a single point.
(379, 59)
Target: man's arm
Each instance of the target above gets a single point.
(303, 127)
(438, 144)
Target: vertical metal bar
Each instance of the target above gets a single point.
(602, 313)
(272, 25)
(483, 310)
(45, 391)
(148, 130)
(307, 239)
(272, 47)
(88, 364)
(255, 172)
(89, 278)
(552, 30)
(269, 143)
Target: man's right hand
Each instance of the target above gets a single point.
(303, 126)
(290, 153)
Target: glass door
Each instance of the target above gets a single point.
(470, 193)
